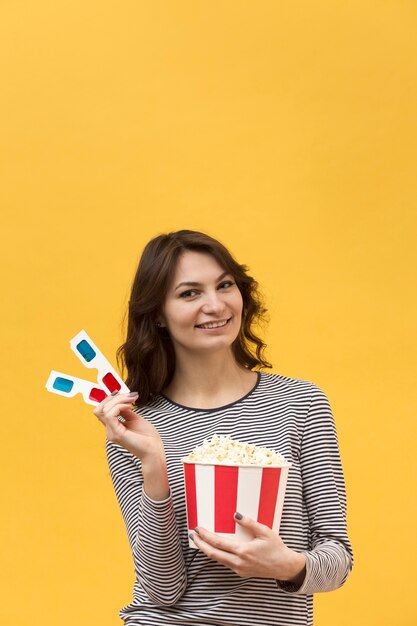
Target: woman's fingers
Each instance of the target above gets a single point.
(216, 541)
(133, 431)
(218, 549)
(112, 405)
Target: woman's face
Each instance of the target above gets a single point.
(203, 306)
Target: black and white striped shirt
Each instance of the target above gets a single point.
(176, 584)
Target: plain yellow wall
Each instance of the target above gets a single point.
(288, 131)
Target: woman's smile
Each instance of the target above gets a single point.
(214, 325)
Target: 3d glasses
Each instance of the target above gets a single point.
(90, 356)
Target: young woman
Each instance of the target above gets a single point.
(193, 358)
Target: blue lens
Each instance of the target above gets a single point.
(86, 350)
(63, 384)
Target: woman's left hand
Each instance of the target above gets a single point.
(265, 556)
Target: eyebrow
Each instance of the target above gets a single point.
(194, 284)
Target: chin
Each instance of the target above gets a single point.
(215, 346)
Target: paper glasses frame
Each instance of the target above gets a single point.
(90, 355)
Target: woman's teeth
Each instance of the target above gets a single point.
(213, 324)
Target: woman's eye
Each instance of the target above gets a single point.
(188, 294)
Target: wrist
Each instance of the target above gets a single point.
(155, 478)
(296, 568)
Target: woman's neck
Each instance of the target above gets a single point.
(210, 381)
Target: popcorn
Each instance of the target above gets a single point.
(227, 451)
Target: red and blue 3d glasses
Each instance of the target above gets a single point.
(90, 356)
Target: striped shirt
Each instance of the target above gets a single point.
(176, 584)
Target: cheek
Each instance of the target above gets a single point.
(180, 316)
(238, 303)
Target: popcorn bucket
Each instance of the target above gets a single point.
(214, 492)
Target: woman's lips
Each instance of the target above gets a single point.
(215, 327)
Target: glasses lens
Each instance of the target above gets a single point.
(86, 350)
(111, 383)
(97, 395)
(63, 384)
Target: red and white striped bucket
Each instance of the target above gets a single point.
(214, 493)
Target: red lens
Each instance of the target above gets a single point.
(111, 383)
(97, 395)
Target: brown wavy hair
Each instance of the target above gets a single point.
(148, 353)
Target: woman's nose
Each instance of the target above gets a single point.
(213, 303)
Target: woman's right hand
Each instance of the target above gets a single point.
(136, 434)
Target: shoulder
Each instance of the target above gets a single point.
(302, 401)
(293, 395)
(291, 387)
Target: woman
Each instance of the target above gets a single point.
(191, 353)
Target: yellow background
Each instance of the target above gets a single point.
(288, 131)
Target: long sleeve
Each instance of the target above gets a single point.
(330, 559)
(151, 529)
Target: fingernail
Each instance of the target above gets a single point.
(115, 392)
(238, 515)
(133, 393)
(196, 531)
(191, 536)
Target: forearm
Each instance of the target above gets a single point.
(326, 568)
(158, 557)
(151, 525)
